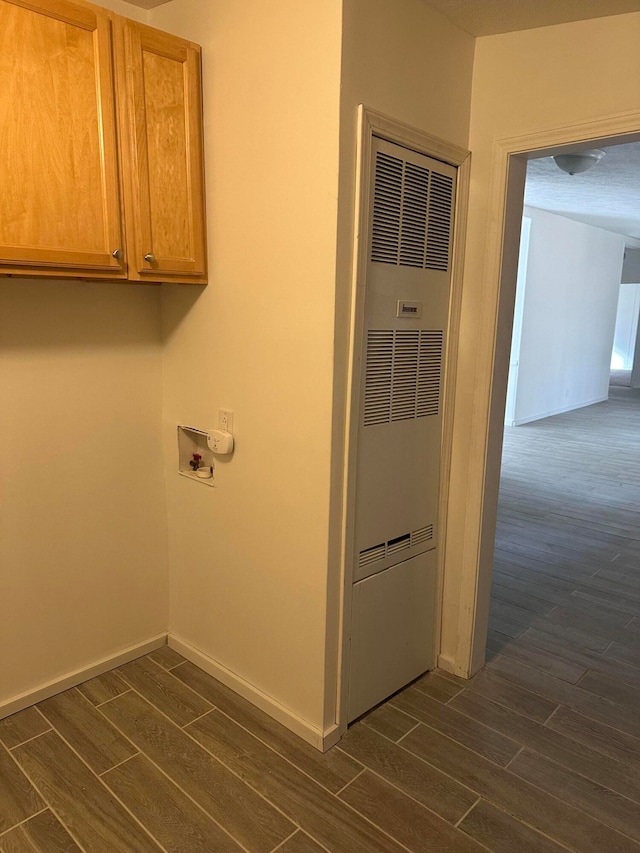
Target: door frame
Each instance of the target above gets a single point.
(506, 195)
(372, 123)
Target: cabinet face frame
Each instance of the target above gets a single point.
(36, 259)
(132, 41)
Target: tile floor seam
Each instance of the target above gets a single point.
(413, 728)
(457, 693)
(101, 781)
(601, 656)
(26, 819)
(84, 697)
(197, 719)
(281, 844)
(474, 720)
(471, 807)
(264, 743)
(330, 793)
(617, 706)
(424, 761)
(572, 770)
(178, 682)
(170, 778)
(579, 808)
(530, 826)
(167, 668)
(346, 785)
(513, 757)
(29, 739)
(530, 689)
(481, 722)
(364, 768)
(115, 766)
(184, 730)
(49, 805)
(550, 717)
(502, 705)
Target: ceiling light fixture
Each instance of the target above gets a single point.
(573, 164)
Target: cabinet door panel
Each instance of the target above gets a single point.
(166, 193)
(59, 204)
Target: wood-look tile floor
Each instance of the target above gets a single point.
(539, 753)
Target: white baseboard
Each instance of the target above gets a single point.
(51, 688)
(539, 417)
(331, 737)
(322, 740)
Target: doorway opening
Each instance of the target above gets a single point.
(565, 601)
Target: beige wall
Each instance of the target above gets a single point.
(408, 61)
(82, 519)
(249, 558)
(540, 80)
(83, 566)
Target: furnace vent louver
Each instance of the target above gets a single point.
(439, 226)
(402, 375)
(412, 209)
(422, 535)
(386, 550)
(400, 543)
(372, 555)
(413, 226)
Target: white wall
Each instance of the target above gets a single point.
(516, 93)
(249, 558)
(568, 317)
(83, 537)
(627, 341)
(624, 338)
(82, 516)
(516, 337)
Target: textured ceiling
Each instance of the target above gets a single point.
(608, 195)
(488, 17)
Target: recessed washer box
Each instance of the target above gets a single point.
(194, 441)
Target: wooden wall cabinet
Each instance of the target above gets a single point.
(101, 164)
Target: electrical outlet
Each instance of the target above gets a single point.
(225, 420)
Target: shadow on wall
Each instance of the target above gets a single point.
(63, 313)
(77, 314)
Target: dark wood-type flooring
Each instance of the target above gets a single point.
(539, 753)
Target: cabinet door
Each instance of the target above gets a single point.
(59, 203)
(163, 163)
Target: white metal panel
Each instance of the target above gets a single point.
(400, 422)
(392, 630)
(398, 467)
